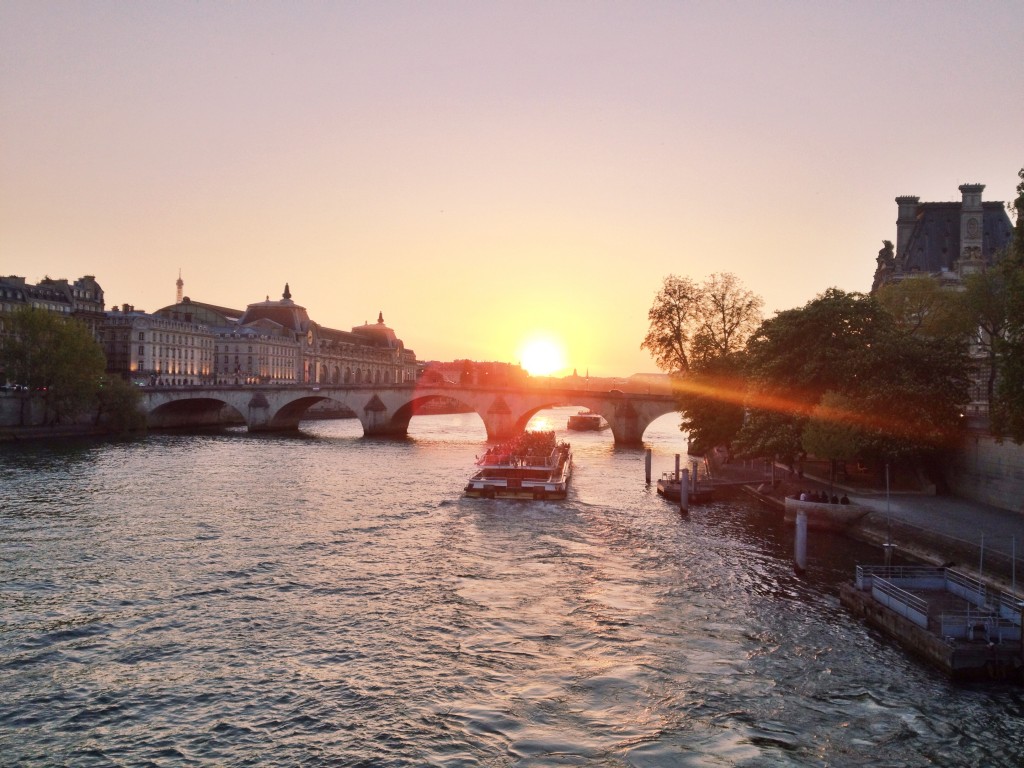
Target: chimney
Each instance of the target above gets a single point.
(905, 219)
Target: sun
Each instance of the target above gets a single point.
(542, 356)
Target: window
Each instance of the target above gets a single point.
(142, 350)
(142, 335)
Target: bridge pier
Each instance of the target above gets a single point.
(378, 421)
(627, 427)
(499, 421)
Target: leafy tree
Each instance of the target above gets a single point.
(691, 323)
(921, 306)
(909, 390)
(697, 332)
(798, 355)
(1007, 404)
(711, 402)
(832, 430)
(728, 315)
(673, 320)
(912, 394)
(118, 404)
(54, 355)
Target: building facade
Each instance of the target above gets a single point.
(276, 342)
(151, 350)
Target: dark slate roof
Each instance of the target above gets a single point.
(934, 244)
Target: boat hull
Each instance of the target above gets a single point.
(523, 483)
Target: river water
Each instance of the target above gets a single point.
(326, 599)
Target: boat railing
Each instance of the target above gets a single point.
(906, 604)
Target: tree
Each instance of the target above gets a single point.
(729, 314)
(1007, 403)
(117, 404)
(54, 355)
(832, 431)
(711, 402)
(691, 323)
(921, 306)
(698, 332)
(794, 358)
(908, 390)
(672, 321)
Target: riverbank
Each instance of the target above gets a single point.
(976, 538)
(982, 540)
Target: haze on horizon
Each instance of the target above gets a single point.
(489, 173)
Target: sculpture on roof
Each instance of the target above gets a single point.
(886, 265)
(287, 293)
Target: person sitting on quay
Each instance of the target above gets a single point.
(844, 500)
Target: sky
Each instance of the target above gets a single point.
(489, 173)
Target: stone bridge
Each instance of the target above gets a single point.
(385, 410)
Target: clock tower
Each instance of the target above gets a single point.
(971, 223)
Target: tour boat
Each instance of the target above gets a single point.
(587, 421)
(823, 515)
(532, 466)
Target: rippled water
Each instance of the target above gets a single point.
(326, 599)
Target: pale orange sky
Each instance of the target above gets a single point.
(481, 172)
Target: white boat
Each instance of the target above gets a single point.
(587, 421)
(532, 466)
(823, 515)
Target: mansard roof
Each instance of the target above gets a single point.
(201, 312)
(934, 243)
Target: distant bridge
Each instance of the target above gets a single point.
(385, 410)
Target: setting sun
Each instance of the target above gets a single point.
(542, 356)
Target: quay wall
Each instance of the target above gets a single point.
(989, 472)
(912, 637)
(962, 662)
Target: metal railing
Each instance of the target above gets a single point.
(976, 626)
(904, 603)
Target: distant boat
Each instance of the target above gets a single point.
(587, 421)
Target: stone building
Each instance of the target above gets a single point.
(276, 342)
(945, 240)
(151, 350)
(82, 299)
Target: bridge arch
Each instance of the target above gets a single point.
(194, 412)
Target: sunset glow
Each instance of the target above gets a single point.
(542, 167)
(542, 356)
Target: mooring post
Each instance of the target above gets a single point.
(800, 553)
(647, 465)
(676, 475)
(693, 478)
(684, 491)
